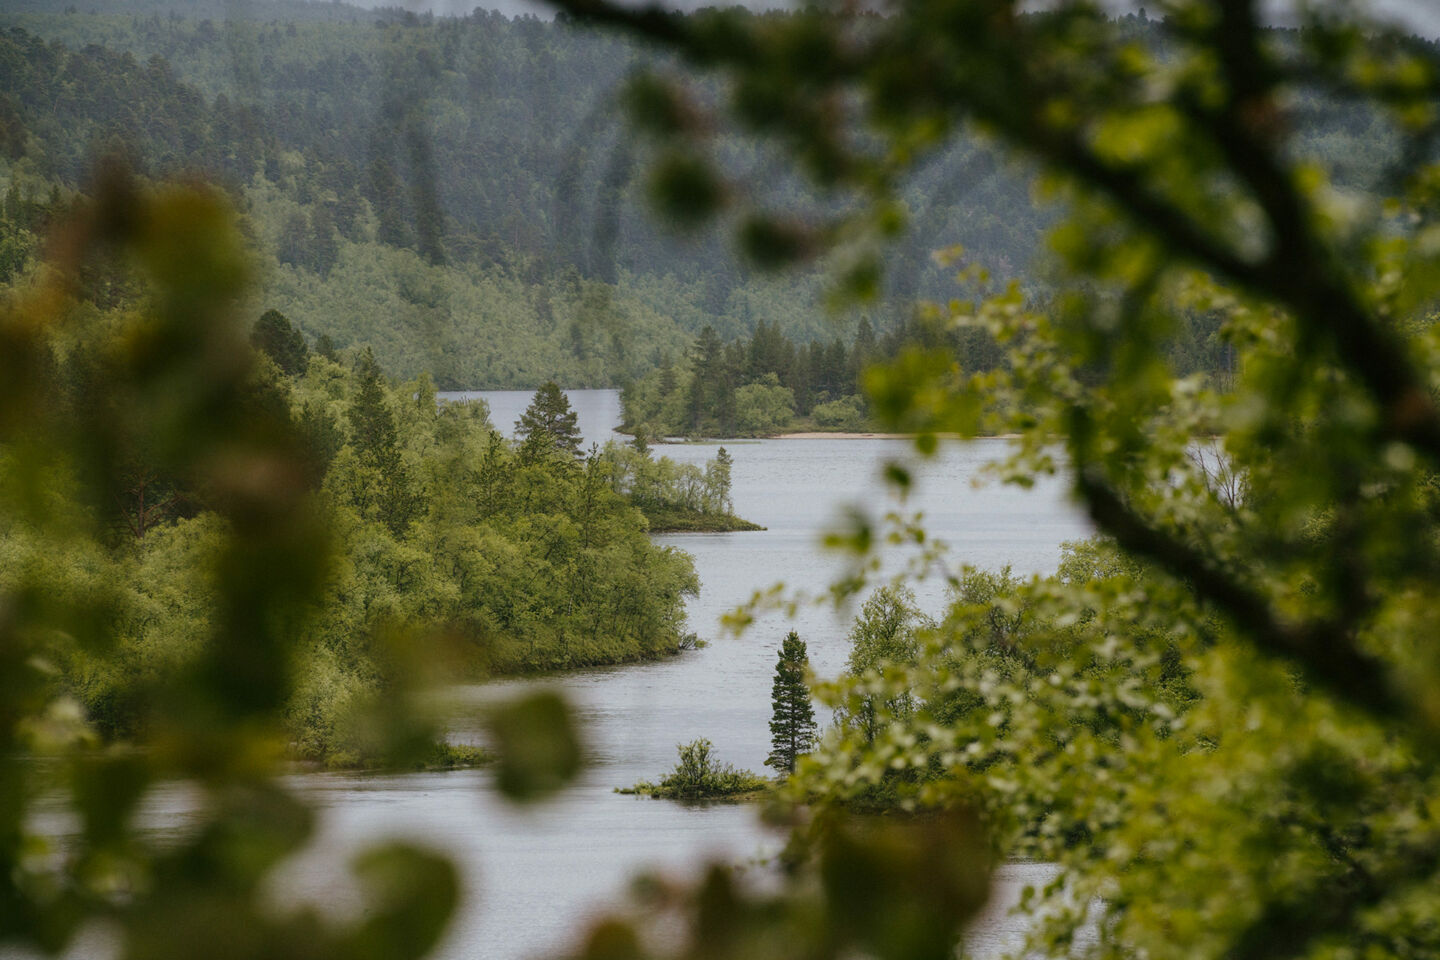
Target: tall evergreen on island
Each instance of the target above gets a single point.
(792, 720)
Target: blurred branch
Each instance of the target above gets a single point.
(1289, 928)
(1325, 651)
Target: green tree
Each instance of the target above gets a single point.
(325, 347)
(764, 407)
(549, 423)
(372, 425)
(641, 441)
(711, 401)
(792, 719)
(384, 485)
(279, 339)
(717, 482)
(884, 636)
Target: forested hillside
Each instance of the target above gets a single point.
(522, 556)
(463, 195)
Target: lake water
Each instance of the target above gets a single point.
(535, 875)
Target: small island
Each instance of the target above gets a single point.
(698, 776)
(792, 734)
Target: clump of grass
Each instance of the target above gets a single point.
(698, 776)
(440, 756)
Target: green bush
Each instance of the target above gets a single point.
(843, 414)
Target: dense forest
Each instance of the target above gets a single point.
(757, 386)
(527, 555)
(461, 194)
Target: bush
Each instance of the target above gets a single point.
(764, 408)
(843, 414)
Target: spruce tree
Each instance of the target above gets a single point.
(550, 419)
(376, 439)
(792, 721)
(274, 335)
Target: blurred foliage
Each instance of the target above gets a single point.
(171, 382)
(1218, 720)
(538, 747)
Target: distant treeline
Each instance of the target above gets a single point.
(756, 386)
(767, 383)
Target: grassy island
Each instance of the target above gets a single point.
(698, 776)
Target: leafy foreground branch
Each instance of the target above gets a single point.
(698, 776)
(1222, 723)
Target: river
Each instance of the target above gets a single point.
(534, 875)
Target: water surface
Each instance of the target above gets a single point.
(534, 876)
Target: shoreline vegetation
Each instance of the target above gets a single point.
(677, 520)
(457, 552)
(441, 756)
(838, 435)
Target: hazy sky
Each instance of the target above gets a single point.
(1423, 16)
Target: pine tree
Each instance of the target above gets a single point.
(377, 445)
(549, 418)
(792, 721)
(274, 335)
(372, 425)
(325, 347)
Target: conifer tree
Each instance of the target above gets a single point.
(274, 335)
(792, 720)
(549, 417)
(325, 347)
(377, 444)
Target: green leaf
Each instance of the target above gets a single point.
(539, 751)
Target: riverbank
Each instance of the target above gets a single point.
(653, 791)
(841, 435)
(828, 435)
(678, 520)
(441, 756)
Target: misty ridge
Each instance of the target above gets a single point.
(464, 195)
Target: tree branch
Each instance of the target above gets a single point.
(1325, 652)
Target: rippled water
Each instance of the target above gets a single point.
(536, 874)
